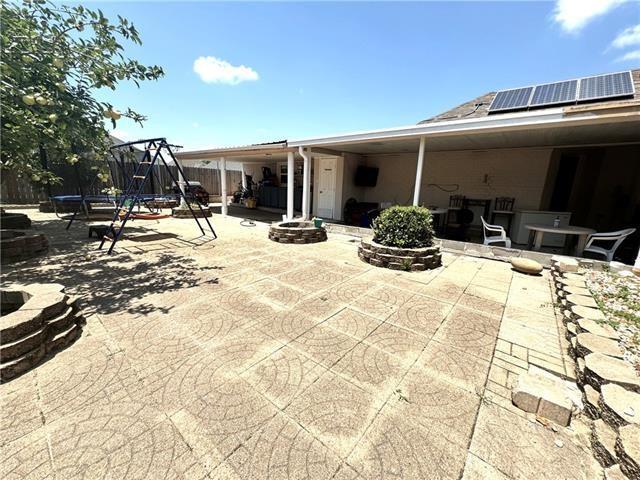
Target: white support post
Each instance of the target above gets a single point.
(636, 265)
(182, 185)
(306, 180)
(223, 185)
(244, 177)
(290, 177)
(416, 192)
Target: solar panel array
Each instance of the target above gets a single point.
(570, 91)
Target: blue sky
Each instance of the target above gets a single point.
(320, 68)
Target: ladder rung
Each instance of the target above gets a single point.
(138, 176)
(108, 238)
(145, 163)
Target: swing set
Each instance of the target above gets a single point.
(156, 151)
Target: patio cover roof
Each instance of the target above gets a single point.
(583, 125)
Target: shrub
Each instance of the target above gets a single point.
(404, 227)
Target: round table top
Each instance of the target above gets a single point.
(567, 229)
(438, 210)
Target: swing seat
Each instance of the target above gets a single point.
(145, 216)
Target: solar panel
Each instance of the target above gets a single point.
(605, 86)
(552, 93)
(511, 99)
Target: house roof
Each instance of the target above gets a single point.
(479, 106)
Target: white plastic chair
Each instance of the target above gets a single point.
(489, 239)
(616, 237)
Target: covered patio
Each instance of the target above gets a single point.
(577, 163)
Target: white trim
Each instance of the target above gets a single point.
(550, 117)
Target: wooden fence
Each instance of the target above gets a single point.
(15, 190)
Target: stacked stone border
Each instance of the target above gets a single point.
(297, 232)
(47, 321)
(409, 259)
(14, 221)
(610, 385)
(20, 245)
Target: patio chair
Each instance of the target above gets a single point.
(489, 239)
(616, 237)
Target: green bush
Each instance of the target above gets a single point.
(404, 227)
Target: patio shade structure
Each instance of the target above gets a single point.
(257, 154)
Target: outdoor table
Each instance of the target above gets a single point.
(441, 213)
(507, 213)
(582, 233)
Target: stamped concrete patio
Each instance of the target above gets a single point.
(245, 359)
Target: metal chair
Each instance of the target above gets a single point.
(616, 237)
(503, 206)
(500, 238)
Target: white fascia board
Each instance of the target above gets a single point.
(549, 116)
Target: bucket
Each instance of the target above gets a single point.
(317, 222)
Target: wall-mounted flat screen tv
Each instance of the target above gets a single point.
(366, 176)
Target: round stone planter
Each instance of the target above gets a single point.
(297, 232)
(19, 245)
(409, 259)
(37, 320)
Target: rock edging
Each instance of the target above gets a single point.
(43, 320)
(300, 233)
(610, 385)
(395, 258)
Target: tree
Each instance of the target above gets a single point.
(54, 58)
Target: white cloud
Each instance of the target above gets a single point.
(627, 38)
(572, 15)
(214, 70)
(630, 56)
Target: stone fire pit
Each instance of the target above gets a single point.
(297, 232)
(37, 320)
(20, 245)
(409, 259)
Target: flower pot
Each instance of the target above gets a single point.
(251, 202)
(317, 222)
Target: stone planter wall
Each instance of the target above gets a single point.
(610, 385)
(409, 259)
(14, 221)
(297, 232)
(38, 320)
(20, 245)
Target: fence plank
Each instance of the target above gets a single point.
(22, 191)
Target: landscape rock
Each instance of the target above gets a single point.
(587, 343)
(600, 369)
(567, 264)
(526, 265)
(603, 442)
(601, 330)
(582, 300)
(591, 402)
(619, 406)
(628, 450)
(614, 473)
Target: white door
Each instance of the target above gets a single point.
(327, 187)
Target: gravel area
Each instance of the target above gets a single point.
(618, 296)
